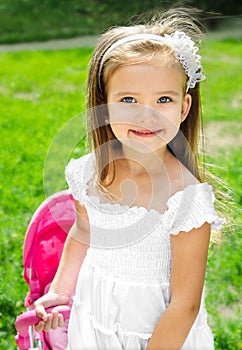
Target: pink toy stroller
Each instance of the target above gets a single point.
(43, 246)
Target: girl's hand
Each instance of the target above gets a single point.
(54, 319)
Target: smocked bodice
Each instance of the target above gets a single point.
(134, 243)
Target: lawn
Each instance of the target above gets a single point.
(40, 94)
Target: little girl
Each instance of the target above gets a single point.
(136, 255)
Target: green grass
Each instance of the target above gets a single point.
(222, 93)
(40, 92)
(224, 263)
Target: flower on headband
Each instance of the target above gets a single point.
(186, 52)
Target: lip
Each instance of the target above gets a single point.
(145, 133)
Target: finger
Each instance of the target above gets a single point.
(61, 321)
(40, 326)
(40, 311)
(55, 320)
(48, 323)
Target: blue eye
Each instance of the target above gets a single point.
(164, 99)
(128, 99)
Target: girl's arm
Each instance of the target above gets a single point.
(189, 260)
(64, 282)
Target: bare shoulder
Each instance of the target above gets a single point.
(81, 228)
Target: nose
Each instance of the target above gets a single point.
(146, 115)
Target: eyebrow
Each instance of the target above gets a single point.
(131, 93)
(167, 92)
(125, 93)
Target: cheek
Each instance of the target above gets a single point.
(119, 130)
(122, 113)
(172, 125)
(172, 120)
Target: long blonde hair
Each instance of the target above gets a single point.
(185, 148)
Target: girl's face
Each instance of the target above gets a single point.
(146, 105)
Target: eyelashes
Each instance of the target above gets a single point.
(130, 99)
(164, 99)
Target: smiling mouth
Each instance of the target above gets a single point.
(146, 133)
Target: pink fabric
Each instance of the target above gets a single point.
(57, 338)
(44, 241)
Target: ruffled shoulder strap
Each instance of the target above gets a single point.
(78, 173)
(191, 208)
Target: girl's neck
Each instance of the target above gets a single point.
(140, 162)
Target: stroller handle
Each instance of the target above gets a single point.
(29, 318)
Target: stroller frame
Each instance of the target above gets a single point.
(43, 245)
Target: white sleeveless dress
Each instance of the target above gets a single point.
(124, 283)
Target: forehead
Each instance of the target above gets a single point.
(145, 77)
(159, 59)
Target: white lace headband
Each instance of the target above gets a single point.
(183, 45)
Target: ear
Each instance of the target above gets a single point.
(186, 105)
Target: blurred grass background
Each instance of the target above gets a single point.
(41, 91)
(34, 20)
